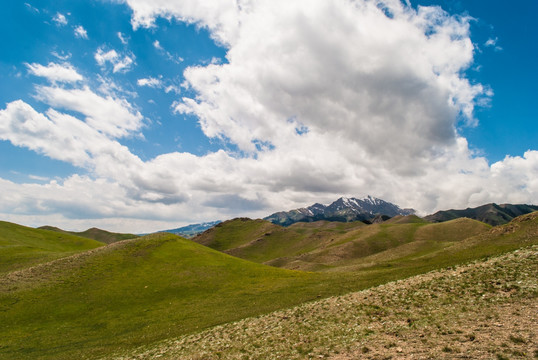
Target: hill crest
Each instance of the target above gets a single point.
(94, 233)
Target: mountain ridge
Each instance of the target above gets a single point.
(492, 214)
(192, 230)
(344, 209)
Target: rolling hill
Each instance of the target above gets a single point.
(138, 292)
(492, 214)
(95, 234)
(22, 246)
(328, 245)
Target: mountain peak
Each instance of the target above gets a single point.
(343, 209)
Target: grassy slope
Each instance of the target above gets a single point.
(21, 246)
(95, 234)
(329, 245)
(234, 233)
(261, 241)
(141, 291)
(484, 310)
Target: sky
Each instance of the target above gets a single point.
(144, 115)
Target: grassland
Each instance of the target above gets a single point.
(21, 246)
(483, 310)
(142, 291)
(139, 291)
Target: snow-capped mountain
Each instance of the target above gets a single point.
(344, 209)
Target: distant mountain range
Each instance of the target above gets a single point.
(367, 209)
(194, 229)
(492, 214)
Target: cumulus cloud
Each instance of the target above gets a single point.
(377, 84)
(220, 17)
(119, 63)
(25, 127)
(342, 68)
(321, 99)
(80, 32)
(55, 72)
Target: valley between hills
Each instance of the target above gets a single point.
(378, 288)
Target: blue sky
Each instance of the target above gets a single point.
(140, 115)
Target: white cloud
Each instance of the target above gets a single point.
(150, 82)
(123, 65)
(493, 43)
(80, 32)
(400, 82)
(119, 63)
(159, 83)
(25, 127)
(338, 99)
(61, 56)
(220, 17)
(31, 8)
(172, 88)
(38, 178)
(112, 116)
(103, 57)
(177, 59)
(55, 72)
(157, 45)
(60, 19)
(122, 38)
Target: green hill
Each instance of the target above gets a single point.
(329, 245)
(261, 241)
(95, 234)
(22, 246)
(234, 233)
(138, 292)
